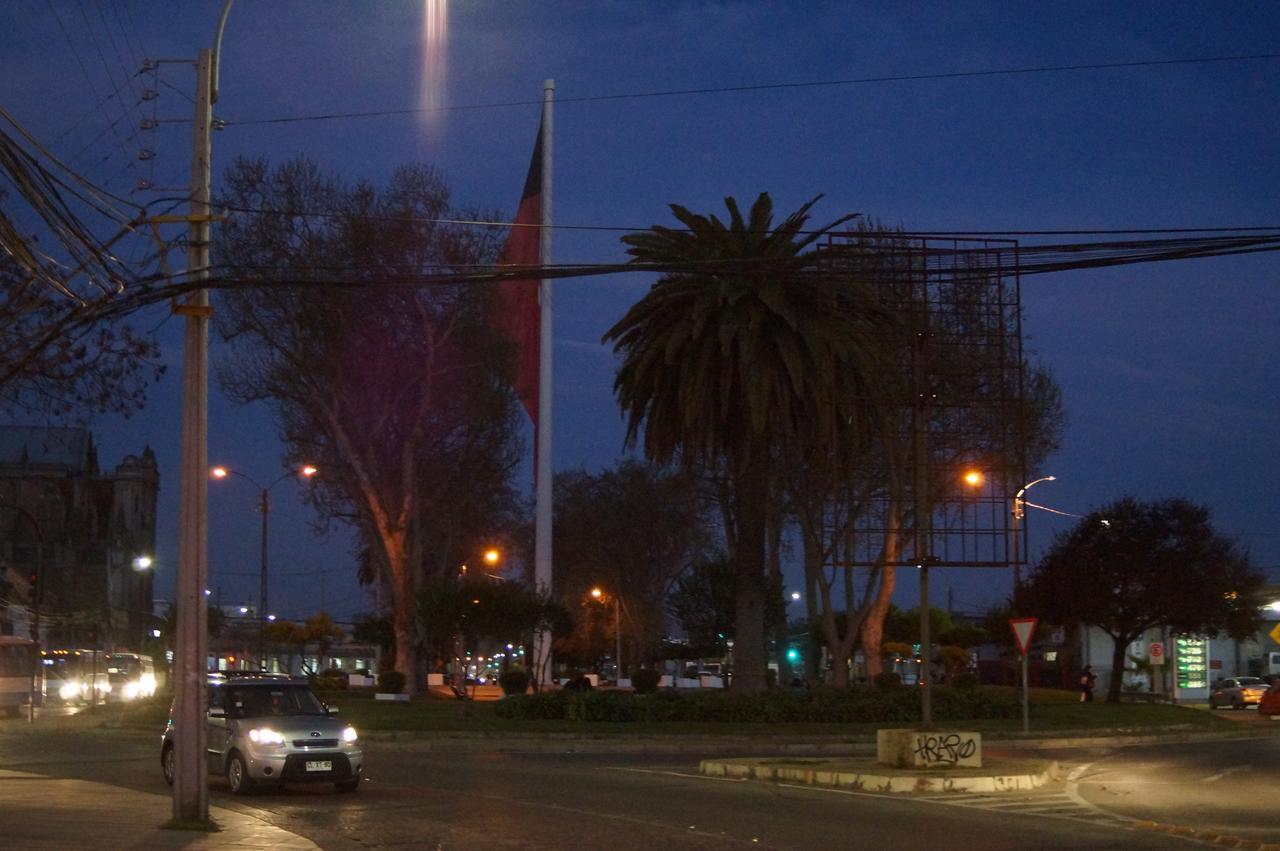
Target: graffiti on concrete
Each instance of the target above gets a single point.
(944, 748)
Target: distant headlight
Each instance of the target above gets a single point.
(349, 735)
(69, 691)
(266, 736)
(130, 691)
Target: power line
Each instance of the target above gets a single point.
(1137, 231)
(713, 90)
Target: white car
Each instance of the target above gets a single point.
(267, 730)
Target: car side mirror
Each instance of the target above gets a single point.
(217, 712)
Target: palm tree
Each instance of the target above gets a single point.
(744, 348)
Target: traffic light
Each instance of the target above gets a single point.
(793, 655)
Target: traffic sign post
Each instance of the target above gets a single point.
(1023, 628)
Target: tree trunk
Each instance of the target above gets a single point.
(1117, 667)
(873, 624)
(749, 663)
(403, 609)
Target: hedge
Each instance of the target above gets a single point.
(820, 705)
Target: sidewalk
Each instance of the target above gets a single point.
(45, 813)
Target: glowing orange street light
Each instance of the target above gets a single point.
(596, 593)
(491, 556)
(264, 508)
(974, 478)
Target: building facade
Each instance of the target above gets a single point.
(79, 531)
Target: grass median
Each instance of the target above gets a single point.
(1052, 713)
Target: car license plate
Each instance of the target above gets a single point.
(319, 765)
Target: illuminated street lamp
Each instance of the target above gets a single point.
(264, 506)
(599, 596)
(1018, 511)
(142, 563)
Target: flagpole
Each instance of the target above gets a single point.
(542, 485)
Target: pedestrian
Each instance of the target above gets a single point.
(1087, 679)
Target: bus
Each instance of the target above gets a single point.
(131, 675)
(68, 674)
(17, 673)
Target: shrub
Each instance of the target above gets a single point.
(514, 681)
(329, 681)
(888, 680)
(544, 706)
(390, 681)
(966, 681)
(645, 681)
(894, 706)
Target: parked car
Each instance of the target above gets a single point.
(269, 730)
(1270, 702)
(1237, 692)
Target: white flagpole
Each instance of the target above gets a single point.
(542, 485)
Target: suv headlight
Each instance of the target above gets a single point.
(266, 736)
(69, 690)
(349, 735)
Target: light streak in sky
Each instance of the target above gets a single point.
(435, 32)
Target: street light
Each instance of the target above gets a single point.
(264, 506)
(142, 562)
(1017, 516)
(599, 596)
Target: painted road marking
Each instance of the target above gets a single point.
(1065, 805)
(1214, 778)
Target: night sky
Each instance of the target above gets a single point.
(1167, 370)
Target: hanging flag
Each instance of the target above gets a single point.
(516, 309)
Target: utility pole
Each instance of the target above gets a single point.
(190, 784)
(190, 789)
(922, 510)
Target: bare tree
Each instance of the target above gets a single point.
(396, 392)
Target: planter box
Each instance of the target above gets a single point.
(938, 749)
(396, 697)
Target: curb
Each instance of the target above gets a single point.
(873, 780)
(857, 745)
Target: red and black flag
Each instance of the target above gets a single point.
(517, 312)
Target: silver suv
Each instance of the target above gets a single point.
(265, 730)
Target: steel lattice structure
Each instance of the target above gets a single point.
(961, 370)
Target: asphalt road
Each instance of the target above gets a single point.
(621, 801)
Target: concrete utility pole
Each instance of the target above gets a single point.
(190, 783)
(922, 510)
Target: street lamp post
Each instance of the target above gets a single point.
(599, 595)
(264, 506)
(1017, 516)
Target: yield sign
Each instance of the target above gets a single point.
(1022, 629)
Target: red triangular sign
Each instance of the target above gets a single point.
(1022, 630)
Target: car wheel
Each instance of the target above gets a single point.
(167, 764)
(348, 785)
(238, 775)
(1237, 703)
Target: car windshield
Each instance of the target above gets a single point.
(257, 701)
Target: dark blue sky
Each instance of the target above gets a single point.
(1168, 370)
